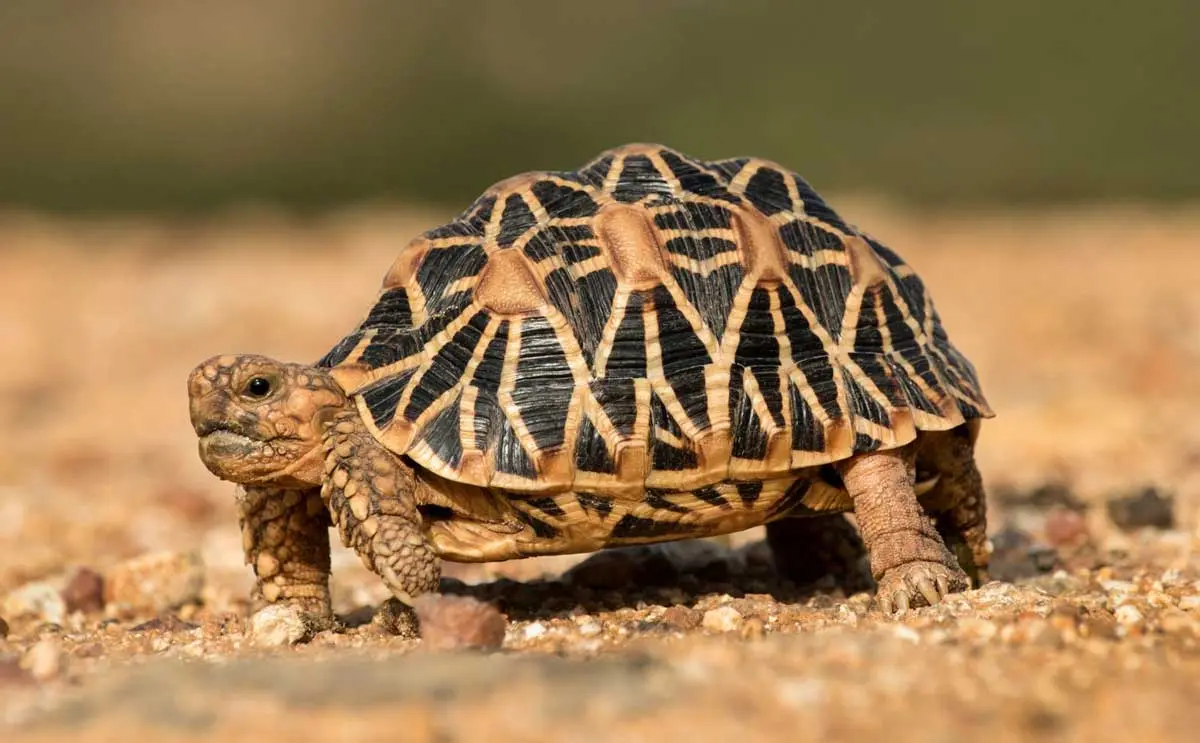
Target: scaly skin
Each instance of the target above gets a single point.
(958, 501)
(909, 560)
(289, 435)
(370, 496)
(285, 535)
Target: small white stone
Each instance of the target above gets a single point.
(534, 631)
(904, 632)
(38, 599)
(45, 659)
(722, 619)
(1128, 615)
(278, 625)
(1160, 600)
(1190, 603)
(1118, 586)
(590, 629)
(845, 614)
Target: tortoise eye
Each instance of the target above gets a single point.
(258, 387)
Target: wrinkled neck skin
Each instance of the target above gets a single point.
(261, 421)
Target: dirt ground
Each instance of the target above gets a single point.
(124, 593)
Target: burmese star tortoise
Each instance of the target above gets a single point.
(650, 348)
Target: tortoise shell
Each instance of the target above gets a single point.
(650, 321)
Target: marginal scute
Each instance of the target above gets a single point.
(404, 268)
(517, 182)
(634, 148)
(507, 285)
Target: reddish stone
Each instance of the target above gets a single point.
(459, 622)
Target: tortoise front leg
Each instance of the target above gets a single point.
(370, 496)
(285, 535)
(909, 560)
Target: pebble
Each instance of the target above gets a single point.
(846, 615)
(722, 619)
(1174, 621)
(1147, 508)
(459, 622)
(1065, 527)
(84, 591)
(156, 582)
(394, 617)
(1190, 603)
(12, 674)
(534, 631)
(38, 599)
(279, 625)
(1128, 615)
(681, 617)
(44, 661)
(753, 629)
(165, 623)
(978, 629)
(590, 629)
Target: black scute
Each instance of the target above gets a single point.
(383, 396)
(546, 383)
(443, 437)
(639, 179)
(563, 202)
(516, 219)
(767, 190)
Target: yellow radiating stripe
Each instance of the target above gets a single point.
(609, 334)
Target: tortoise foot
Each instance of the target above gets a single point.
(918, 583)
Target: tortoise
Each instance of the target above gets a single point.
(650, 348)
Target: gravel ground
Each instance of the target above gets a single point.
(124, 601)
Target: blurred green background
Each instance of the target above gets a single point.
(183, 105)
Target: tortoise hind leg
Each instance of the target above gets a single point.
(370, 496)
(958, 501)
(909, 560)
(808, 548)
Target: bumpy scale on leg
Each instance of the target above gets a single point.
(809, 548)
(285, 535)
(909, 561)
(370, 497)
(958, 501)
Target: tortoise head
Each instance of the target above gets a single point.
(261, 420)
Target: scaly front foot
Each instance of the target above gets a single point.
(916, 583)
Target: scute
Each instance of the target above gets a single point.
(650, 324)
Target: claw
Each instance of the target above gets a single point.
(925, 586)
(901, 600)
(943, 585)
(885, 604)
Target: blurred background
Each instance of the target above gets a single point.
(180, 179)
(166, 104)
